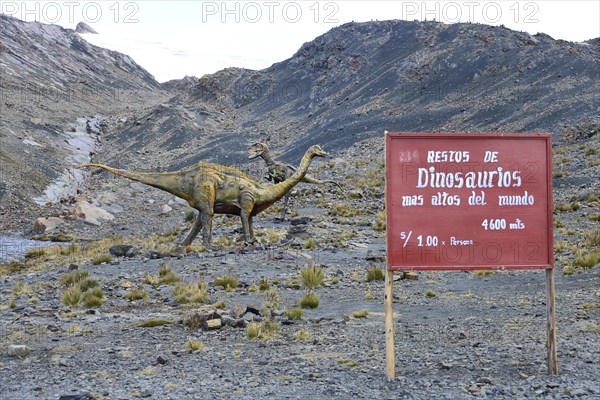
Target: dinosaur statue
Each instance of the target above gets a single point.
(216, 189)
(278, 171)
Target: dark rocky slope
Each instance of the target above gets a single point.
(360, 79)
(50, 77)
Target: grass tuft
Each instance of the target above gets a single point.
(303, 335)
(154, 322)
(229, 282)
(73, 277)
(195, 344)
(106, 258)
(263, 330)
(136, 294)
(310, 300)
(22, 288)
(361, 314)
(71, 296)
(375, 274)
(93, 297)
(193, 292)
(312, 276)
(294, 313)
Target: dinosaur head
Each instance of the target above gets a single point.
(256, 150)
(317, 151)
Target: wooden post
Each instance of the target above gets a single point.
(551, 322)
(390, 367)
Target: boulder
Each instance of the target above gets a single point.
(44, 225)
(18, 350)
(123, 250)
(82, 27)
(91, 214)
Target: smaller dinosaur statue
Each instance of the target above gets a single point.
(216, 189)
(278, 171)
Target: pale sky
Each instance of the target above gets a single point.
(172, 39)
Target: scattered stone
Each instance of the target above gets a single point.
(91, 214)
(73, 267)
(44, 225)
(123, 250)
(18, 350)
(161, 360)
(371, 257)
(300, 221)
(154, 255)
(165, 209)
(84, 396)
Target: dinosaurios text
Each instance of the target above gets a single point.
(279, 171)
(217, 189)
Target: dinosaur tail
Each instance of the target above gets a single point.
(168, 181)
(315, 181)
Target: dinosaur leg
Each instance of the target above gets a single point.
(284, 208)
(207, 206)
(207, 219)
(194, 231)
(247, 204)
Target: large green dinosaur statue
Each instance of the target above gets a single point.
(216, 189)
(278, 171)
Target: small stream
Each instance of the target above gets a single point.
(15, 248)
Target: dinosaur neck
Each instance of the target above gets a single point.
(267, 157)
(274, 192)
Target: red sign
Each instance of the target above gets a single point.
(458, 201)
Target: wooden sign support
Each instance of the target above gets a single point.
(465, 201)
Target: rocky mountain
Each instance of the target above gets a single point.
(342, 89)
(360, 79)
(56, 91)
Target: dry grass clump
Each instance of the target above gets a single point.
(272, 299)
(310, 244)
(312, 276)
(345, 210)
(93, 297)
(263, 330)
(303, 335)
(591, 237)
(587, 260)
(167, 276)
(81, 288)
(136, 294)
(103, 259)
(310, 300)
(264, 285)
(375, 273)
(195, 344)
(71, 296)
(360, 314)
(193, 292)
(22, 288)
(73, 277)
(229, 282)
(154, 323)
(294, 313)
(380, 224)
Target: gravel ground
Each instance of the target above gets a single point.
(480, 336)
